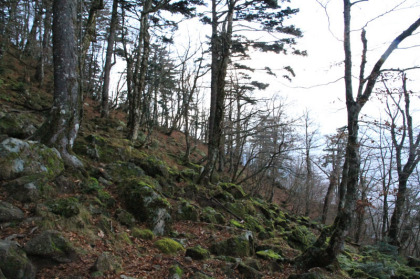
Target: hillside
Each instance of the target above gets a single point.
(135, 211)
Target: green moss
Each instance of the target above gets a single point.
(235, 190)
(125, 218)
(210, 215)
(142, 234)
(269, 255)
(106, 199)
(197, 253)
(186, 211)
(235, 247)
(168, 246)
(124, 237)
(141, 199)
(66, 207)
(236, 223)
(253, 224)
(175, 270)
(91, 185)
(301, 237)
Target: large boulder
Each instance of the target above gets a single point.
(27, 165)
(18, 125)
(144, 201)
(238, 246)
(14, 262)
(51, 245)
(9, 212)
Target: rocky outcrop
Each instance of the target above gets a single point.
(14, 262)
(146, 204)
(9, 212)
(27, 166)
(51, 245)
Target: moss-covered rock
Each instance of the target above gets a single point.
(169, 246)
(186, 211)
(152, 166)
(27, 166)
(125, 218)
(14, 262)
(175, 272)
(106, 262)
(9, 212)
(146, 204)
(301, 237)
(19, 125)
(235, 246)
(142, 234)
(51, 245)
(197, 253)
(66, 207)
(236, 190)
(120, 171)
(20, 158)
(210, 215)
(269, 255)
(248, 272)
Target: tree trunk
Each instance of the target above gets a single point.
(327, 200)
(61, 128)
(135, 107)
(108, 58)
(220, 50)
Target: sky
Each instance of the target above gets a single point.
(317, 85)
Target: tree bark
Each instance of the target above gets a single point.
(220, 51)
(108, 62)
(61, 128)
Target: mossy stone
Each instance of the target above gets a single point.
(269, 255)
(168, 246)
(197, 253)
(120, 171)
(175, 272)
(301, 237)
(51, 245)
(106, 262)
(234, 246)
(210, 215)
(142, 234)
(125, 218)
(66, 207)
(186, 211)
(146, 204)
(14, 262)
(236, 190)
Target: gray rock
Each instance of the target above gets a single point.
(106, 262)
(51, 245)
(248, 272)
(14, 262)
(26, 165)
(9, 212)
(23, 158)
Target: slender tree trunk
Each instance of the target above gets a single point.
(220, 49)
(108, 58)
(135, 108)
(61, 128)
(327, 200)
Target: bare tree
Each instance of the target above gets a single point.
(318, 255)
(403, 138)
